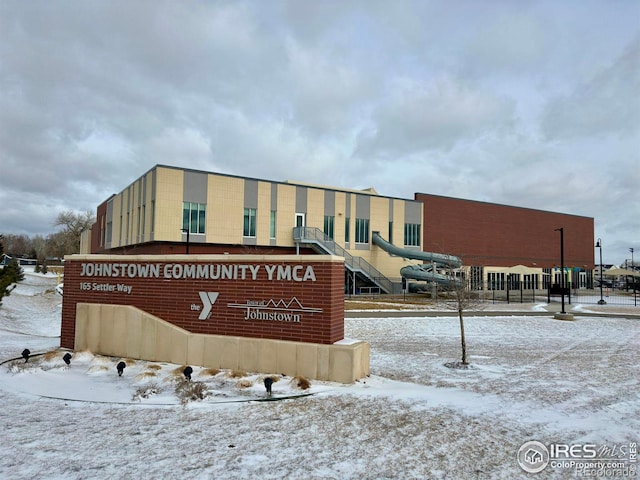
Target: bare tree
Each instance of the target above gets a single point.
(68, 240)
(461, 298)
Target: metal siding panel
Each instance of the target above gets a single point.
(195, 187)
(301, 199)
(250, 193)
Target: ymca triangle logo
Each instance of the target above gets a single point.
(208, 299)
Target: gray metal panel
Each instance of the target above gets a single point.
(274, 196)
(363, 206)
(412, 213)
(153, 184)
(391, 210)
(301, 199)
(250, 193)
(109, 216)
(329, 203)
(195, 187)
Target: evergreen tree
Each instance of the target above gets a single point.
(10, 274)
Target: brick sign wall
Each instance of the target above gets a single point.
(298, 298)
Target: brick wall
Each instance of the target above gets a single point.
(501, 235)
(260, 307)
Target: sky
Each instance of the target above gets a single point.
(528, 103)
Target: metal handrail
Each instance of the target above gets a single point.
(359, 264)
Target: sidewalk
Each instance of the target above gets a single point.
(507, 310)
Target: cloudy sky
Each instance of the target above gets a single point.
(527, 103)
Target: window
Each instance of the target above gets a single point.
(328, 225)
(362, 230)
(193, 217)
(477, 274)
(108, 234)
(272, 224)
(412, 234)
(530, 282)
(346, 229)
(546, 278)
(495, 281)
(249, 225)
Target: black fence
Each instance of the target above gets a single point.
(572, 296)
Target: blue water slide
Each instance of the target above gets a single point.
(425, 272)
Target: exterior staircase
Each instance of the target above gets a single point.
(321, 243)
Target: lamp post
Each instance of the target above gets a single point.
(599, 245)
(186, 230)
(561, 230)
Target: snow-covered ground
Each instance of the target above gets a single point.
(535, 378)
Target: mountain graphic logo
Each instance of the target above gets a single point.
(293, 305)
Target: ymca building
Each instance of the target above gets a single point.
(383, 240)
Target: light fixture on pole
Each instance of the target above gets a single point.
(599, 245)
(186, 230)
(562, 283)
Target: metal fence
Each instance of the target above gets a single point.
(573, 296)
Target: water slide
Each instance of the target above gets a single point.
(425, 272)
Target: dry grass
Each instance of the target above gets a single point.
(388, 302)
(301, 382)
(244, 383)
(53, 355)
(179, 371)
(209, 372)
(275, 378)
(146, 375)
(97, 369)
(153, 366)
(236, 374)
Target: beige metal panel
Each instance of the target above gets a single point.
(147, 207)
(263, 213)
(340, 214)
(225, 209)
(169, 195)
(315, 208)
(116, 224)
(286, 216)
(379, 216)
(85, 242)
(398, 223)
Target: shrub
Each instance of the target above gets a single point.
(187, 391)
(146, 391)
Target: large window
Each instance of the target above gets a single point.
(412, 234)
(272, 224)
(249, 225)
(193, 217)
(328, 225)
(362, 230)
(346, 229)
